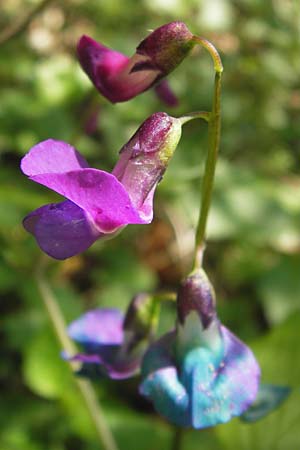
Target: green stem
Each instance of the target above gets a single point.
(218, 66)
(214, 130)
(177, 438)
(205, 115)
(85, 388)
(165, 296)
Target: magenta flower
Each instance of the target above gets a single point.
(98, 203)
(119, 78)
(114, 344)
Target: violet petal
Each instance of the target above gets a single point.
(98, 327)
(61, 229)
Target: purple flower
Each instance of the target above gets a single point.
(119, 78)
(201, 374)
(98, 203)
(114, 344)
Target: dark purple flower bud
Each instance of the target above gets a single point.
(98, 203)
(167, 46)
(113, 344)
(196, 294)
(119, 78)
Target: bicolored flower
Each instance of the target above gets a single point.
(120, 78)
(114, 344)
(201, 374)
(98, 203)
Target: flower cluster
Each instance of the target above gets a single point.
(199, 374)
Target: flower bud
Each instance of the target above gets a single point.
(120, 78)
(144, 159)
(196, 294)
(142, 316)
(166, 46)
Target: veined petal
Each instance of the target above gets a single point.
(97, 192)
(98, 327)
(61, 229)
(52, 156)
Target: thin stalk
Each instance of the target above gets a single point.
(218, 66)
(214, 131)
(165, 296)
(205, 115)
(177, 438)
(85, 388)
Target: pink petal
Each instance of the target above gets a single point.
(117, 77)
(52, 156)
(97, 192)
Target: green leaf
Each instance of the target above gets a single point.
(269, 397)
(44, 370)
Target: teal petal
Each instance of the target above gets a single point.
(206, 388)
(168, 395)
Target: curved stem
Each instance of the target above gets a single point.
(218, 66)
(205, 115)
(85, 388)
(214, 131)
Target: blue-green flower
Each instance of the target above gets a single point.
(200, 374)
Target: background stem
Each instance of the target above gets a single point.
(85, 388)
(21, 22)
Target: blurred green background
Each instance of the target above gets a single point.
(252, 255)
